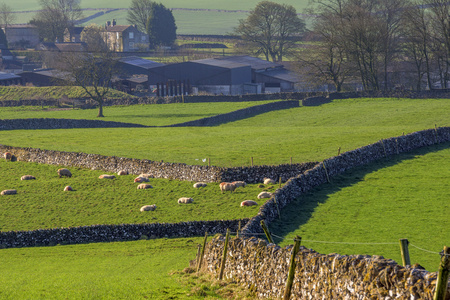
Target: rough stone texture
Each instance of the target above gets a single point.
(304, 182)
(110, 233)
(177, 171)
(263, 268)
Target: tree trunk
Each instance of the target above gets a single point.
(100, 110)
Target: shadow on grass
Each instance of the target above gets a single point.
(299, 211)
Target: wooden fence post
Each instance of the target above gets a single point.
(251, 158)
(290, 279)
(267, 232)
(239, 230)
(209, 162)
(405, 252)
(443, 274)
(291, 160)
(384, 148)
(339, 151)
(279, 181)
(224, 256)
(326, 172)
(199, 265)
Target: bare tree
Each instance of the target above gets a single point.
(139, 12)
(271, 29)
(7, 16)
(94, 73)
(94, 36)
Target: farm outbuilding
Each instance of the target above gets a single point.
(9, 79)
(213, 76)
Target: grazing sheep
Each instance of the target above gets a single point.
(248, 203)
(68, 189)
(227, 186)
(264, 195)
(27, 177)
(148, 207)
(144, 186)
(269, 181)
(106, 176)
(8, 192)
(146, 175)
(7, 156)
(199, 185)
(185, 200)
(64, 172)
(122, 172)
(141, 179)
(239, 183)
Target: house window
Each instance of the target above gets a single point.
(117, 35)
(131, 45)
(143, 38)
(131, 35)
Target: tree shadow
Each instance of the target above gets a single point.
(300, 210)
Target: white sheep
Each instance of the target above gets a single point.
(144, 186)
(269, 181)
(106, 176)
(148, 207)
(146, 175)
(199, 185)
(248, 203)
(185, 200)
(141, 179)
(7, 156)
(239, 183)
(68, 189)
(227, 186)
(64, 172)
(27, 177)
(263, 195)
(8, 192)
(122, 172)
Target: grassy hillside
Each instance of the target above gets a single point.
(50, 92)
(303, 133)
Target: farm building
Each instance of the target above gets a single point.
(133, 74)
(73, 34)
(21, 36)
(125, 38)
(9, 79)
(209, 75)
(43, 77)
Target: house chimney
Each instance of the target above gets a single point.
(108, 23)
(114, 22)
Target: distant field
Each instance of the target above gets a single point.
(213, 18)
(368, 210)
(303, 133)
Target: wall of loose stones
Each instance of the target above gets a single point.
(44, 123)
(112, 233)
(176, 171)
(264, 267)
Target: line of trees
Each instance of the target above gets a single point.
(367, 39)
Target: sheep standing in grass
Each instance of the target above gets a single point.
(248, 203)
(141, 179)
(148, 207)
(239, 183)
(263, 195)
(7, 156)
(27, 177)
(185, 200)
(146, 175)
(199, 185)
(8, 192)
(64, 172)
(106, 176)
(122, 172)
(68, 189)
(269, 181)
(144, 186)
(227, 186)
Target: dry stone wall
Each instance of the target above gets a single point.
(305, 182)
(111, 233)
(45, 123)
(264, 267)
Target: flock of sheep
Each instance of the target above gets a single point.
(143, 178)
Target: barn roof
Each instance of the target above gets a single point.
(7, 76)
(117, 28)
(220, 63)
(254, 62)
(140, 62)
(283, 74)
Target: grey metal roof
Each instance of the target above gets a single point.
(7, 76)
(220, 63)
(254, 62)
(140, 62)
(283, 74)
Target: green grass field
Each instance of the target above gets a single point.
(303, 133)
(404, 197)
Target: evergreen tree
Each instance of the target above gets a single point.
(161, 27)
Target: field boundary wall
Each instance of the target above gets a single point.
(113, 233)
(263, 267)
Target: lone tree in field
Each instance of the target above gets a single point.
(94, 72)
(154, 19)
(271, 29)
